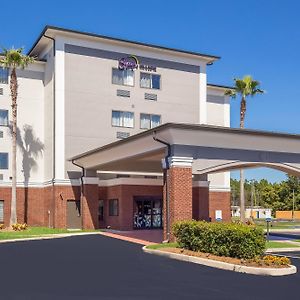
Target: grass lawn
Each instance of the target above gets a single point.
(35, 231)
(272, 244)
(165, 245)
(278, 224)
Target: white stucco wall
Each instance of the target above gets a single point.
(85, 97)
(30, 120)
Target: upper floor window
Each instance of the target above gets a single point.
(122, 118)
(3, 161)
(123, 77)
(3, 117)
(149, 121)
(150, 81)
(3, 75)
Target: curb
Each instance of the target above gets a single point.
(47, 237)
(225, 266)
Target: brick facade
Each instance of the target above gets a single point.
(201, 203)
(125, 194)
(206, 202)
(33, 204)
(89, 206)
(219, 201)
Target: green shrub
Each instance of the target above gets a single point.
(232, 240)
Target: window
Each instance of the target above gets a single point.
(3, 117)
(122, 118)
(150, 121)
(113, 207)
(123, 77)
(3, 75)
(1, 211)
(150, 81)
(3, 161)
(100, 210)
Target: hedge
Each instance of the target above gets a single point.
(222, 239)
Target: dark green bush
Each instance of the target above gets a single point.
(222, 239)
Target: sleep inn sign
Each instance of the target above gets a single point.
(131, 62)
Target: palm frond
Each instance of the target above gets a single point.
(14, 58)
(247, 86)
(231, 93)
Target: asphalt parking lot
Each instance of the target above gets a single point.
(98, 267)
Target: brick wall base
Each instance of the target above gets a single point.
(34, 205)
(206, 202)
(220, 201)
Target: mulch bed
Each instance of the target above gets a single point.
(236, 261)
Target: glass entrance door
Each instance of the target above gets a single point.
(147, 213)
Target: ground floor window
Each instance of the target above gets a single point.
(113, 207)
(1, 211)
(147, 212)
(101, 210)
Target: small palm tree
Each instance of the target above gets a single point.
(243, 87)
(13, 59)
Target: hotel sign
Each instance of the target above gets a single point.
(131, 62)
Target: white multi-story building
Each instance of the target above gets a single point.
(85, 91)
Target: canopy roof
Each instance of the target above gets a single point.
(212, 148)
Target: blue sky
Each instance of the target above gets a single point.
(260, 38)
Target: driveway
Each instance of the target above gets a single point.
(99, 267)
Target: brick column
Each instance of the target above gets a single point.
(90, 203)
(177, 193)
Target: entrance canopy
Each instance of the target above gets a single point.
(209, 148)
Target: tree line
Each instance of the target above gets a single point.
(277, 196)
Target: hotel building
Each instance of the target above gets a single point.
(87, 91)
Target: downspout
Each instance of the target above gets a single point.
(53, 130)
(167, 186)
(81, 185)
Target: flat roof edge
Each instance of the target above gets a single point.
(221, 86)
(191, 127)
(214, 57)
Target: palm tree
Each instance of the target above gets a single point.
(14, 59)
(243, 87)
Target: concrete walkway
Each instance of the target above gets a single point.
(142, 237)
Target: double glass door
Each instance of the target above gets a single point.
(147, 213)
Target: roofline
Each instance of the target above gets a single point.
(214, 57)
(221, 86)
(187, 126)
